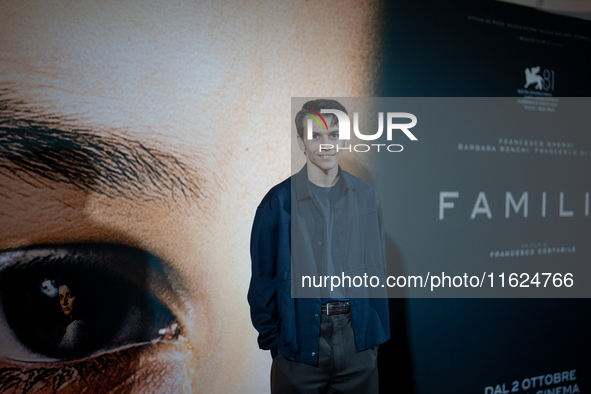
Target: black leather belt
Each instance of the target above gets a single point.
(336, 308)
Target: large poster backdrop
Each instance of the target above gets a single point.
(137, 139)
(488, 49)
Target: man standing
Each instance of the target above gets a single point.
(322, 222)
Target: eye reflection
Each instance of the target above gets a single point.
(48, 288)
(71, 301)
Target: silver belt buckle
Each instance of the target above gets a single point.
(328, 308)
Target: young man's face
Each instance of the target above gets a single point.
(186, 82)
(324, 150)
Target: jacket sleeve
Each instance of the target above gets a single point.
(382, 235)
(385, 301)
(262, 294)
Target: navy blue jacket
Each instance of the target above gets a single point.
(292, 325)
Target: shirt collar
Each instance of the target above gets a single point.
(302, 190)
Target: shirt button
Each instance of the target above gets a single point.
(319, 243)
(313, 354)
(316, 315)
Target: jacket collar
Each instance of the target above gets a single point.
(302, 189)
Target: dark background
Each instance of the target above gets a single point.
(433, 49)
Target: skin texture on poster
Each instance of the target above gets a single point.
(137, 139)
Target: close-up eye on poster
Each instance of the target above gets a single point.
(295, 196)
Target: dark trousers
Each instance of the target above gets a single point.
(341, 368)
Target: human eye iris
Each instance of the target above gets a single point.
(116, 305)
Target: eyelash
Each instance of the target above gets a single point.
(108, 371)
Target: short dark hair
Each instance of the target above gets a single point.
(317, 105)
